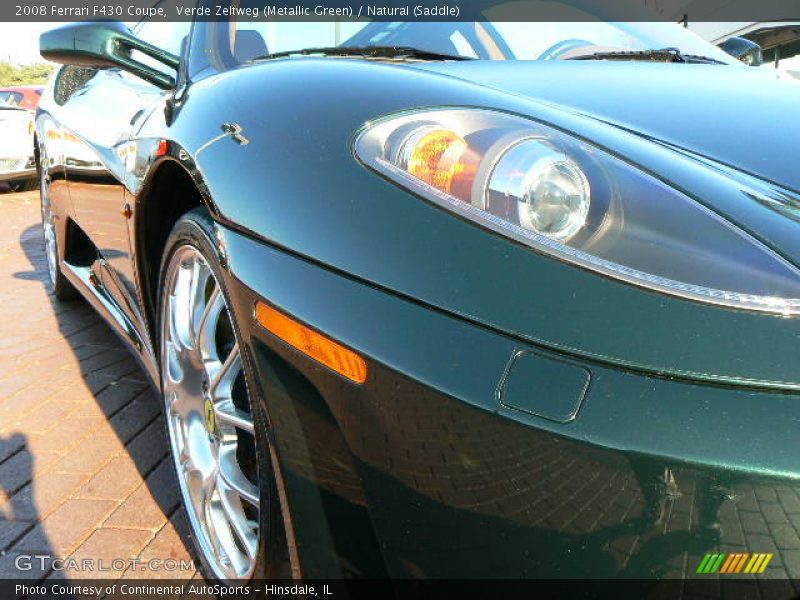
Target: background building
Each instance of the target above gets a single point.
(779, 37)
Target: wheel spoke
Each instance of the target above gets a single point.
(173, 402)
(172, 363)
(232, 474)
(197, 305)
(172, 323)
(209, 510)
(204, 337)
(222, 380)
(195, 483)
(181, 307)
(226, 412)
(244, 528)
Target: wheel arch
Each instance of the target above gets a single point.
(168, 192)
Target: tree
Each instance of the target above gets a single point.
(24, 74)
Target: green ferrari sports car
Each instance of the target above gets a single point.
(445, 299)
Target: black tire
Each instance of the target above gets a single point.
(26, 185)
(196, 228)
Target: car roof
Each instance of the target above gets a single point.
(22, 88)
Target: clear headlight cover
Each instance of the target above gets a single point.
(570, 200)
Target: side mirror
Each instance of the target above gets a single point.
(105, 45)
(745, 50)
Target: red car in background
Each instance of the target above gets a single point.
(24, 96)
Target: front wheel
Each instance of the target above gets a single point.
(217, 433)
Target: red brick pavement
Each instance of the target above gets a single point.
(84, 468)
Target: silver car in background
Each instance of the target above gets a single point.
(17, 163)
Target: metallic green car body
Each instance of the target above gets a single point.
(683, 436)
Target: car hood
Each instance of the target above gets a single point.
(320, 203)
(744, 117)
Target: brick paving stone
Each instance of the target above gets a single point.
(147, 506)
(149, 446)
(135, 415)
(22, 403)
(789, 500)
(15, 383)
(127, 368)
(66, 528)
(64, 436)
(105, 546)
(753, 522)
(746, 500)
(166, 554)
(45, 416)
(785, 536)
(98, 381)
(113, 398)
(91, 455)
(766, 494)
(774, 513)
(43, 461)
(16, 471)
(10, 445)
(761, 543)
(98, 362)
(792, 563)
(40, 497)
(115, 481)
(10, 531)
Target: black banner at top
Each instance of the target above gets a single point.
(403, 10)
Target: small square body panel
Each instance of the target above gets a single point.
(545, 387)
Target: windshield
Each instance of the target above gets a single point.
(502, 40)
(10, 98)
(580, 33)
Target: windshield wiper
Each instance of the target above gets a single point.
(368, 52)
(656, 55)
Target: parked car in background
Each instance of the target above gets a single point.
(17, 164)
(23, 96)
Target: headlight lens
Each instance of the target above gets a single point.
(550, 190)
(571, 200)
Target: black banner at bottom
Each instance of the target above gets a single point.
(132, 589)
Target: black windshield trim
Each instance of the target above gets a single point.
(655, 55)
(390, 52)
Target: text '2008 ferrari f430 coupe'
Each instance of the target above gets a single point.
(445, 300)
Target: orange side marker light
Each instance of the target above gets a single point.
(322, 349)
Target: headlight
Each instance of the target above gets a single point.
(573, 201)
(551, 192)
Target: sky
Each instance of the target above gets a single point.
(19, 42)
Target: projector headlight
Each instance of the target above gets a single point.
(568, 199)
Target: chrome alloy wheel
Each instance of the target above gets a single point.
(209, 419)
(48, 228)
